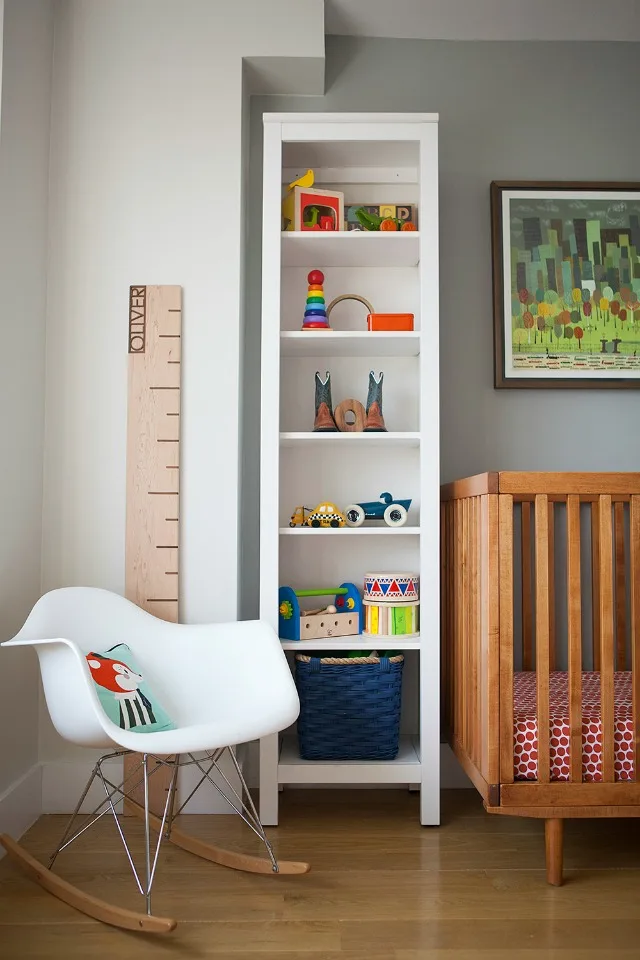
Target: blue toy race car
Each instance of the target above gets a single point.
(393, 512)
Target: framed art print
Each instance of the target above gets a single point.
(566, 284)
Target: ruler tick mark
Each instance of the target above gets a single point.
(162, 493)
(169, 336)
(174, 310)
(165, 546)
(171, 573)
(164, 440)
(172, 519)
(164, 388)
(173, 414)
(162, 600)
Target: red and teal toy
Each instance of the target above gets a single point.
(315, 314)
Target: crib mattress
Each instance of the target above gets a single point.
(526, 727)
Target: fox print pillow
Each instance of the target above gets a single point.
(125, 697)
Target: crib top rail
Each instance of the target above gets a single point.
(525, 485)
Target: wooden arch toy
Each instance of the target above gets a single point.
(377, 321)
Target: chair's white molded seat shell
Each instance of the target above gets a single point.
(221, 684)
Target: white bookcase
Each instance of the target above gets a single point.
(371, 158)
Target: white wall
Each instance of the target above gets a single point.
(146, 172)
(24, 154)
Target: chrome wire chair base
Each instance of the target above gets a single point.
(164, 827)
(240, 802)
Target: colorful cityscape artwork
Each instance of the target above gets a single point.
(566, 285)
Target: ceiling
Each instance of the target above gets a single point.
(485, 19)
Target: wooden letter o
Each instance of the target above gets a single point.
(340, 416)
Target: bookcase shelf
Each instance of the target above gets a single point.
(361, 642)
(349, 343)
(350, 249)
(366, 156)
(308, 438)
(350, 531)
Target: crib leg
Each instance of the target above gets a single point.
(553, 850)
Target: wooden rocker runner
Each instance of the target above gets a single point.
(192, 669)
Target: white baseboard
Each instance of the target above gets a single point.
(63, 782)
(21, 804)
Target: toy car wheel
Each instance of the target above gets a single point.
(335, 523)
(355, 515)
(291, 523)
(395, 515)
(315, 523)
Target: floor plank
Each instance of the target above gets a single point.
(381, 888)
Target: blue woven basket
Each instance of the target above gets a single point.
(349, 708)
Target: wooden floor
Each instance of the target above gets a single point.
(381, 888)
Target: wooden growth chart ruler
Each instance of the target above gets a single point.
(153, 467)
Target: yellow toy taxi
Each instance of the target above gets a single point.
(326, 515)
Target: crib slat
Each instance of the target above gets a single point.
(595, 582)
(606, 639)
(453, 599)
(465, 623)
(458, 689)
(506, 637)
(552, 585)
(492, 591)
(621, 597)
(574, 629)
(444, 673)
(634, 573)
(475, 634)
(525, 566)
(449, 567)
(470, 630)
(460, 685)
(542, 635)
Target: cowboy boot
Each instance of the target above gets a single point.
(324, 416)
(375, 420)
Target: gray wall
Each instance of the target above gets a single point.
(539, 111)
(24, 170)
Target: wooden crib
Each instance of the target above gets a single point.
(541, 594)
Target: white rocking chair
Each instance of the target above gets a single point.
(222, 684)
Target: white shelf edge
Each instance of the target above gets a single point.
(410, 437)
(372, 335)
(350, 118)
(296, 344)
(406, 174)
(360, 642)
(406, 768)
(349, 531)
(380, 236)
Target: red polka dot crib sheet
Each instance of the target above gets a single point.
(526, 727)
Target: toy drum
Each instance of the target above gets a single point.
(391, 587)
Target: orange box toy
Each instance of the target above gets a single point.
(390, 321)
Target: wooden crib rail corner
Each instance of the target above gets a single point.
(476, 486)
